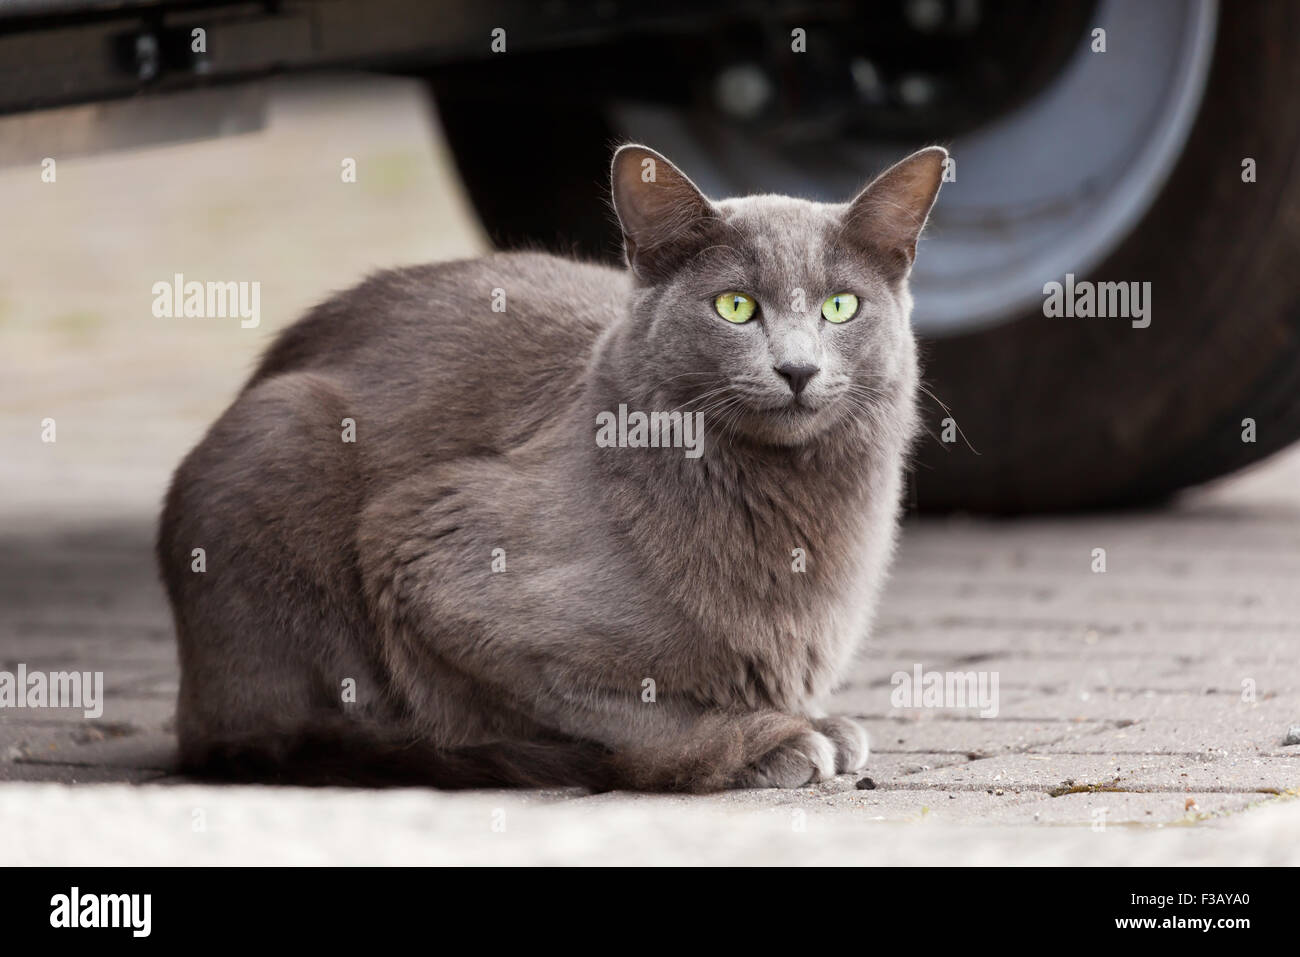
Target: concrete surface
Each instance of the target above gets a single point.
(1141, 711)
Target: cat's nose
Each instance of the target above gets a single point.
(796, 374)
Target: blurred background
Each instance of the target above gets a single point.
(131, 393)
(1112, 140)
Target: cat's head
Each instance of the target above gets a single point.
(777, 317)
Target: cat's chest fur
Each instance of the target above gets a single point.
(771, 558)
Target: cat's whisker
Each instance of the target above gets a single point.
(733, 423)
(860, 417)
(948, 411)
(719, 432)
(700, 397)
(859, 410)
(861, 395)
(867, 391)
(716, 408)
(682, 375)
(725, 412)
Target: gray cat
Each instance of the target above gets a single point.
(423, 565)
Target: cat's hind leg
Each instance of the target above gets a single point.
(253, 548)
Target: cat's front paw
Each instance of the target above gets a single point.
(850, 740)
(803, 759)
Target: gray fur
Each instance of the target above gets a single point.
(372, 560)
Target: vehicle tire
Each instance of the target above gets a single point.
(1063, 413)
(1074, 413)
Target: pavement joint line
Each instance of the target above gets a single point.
(958, 718)
(89, 765)
(1012, 789)
(1065, 628)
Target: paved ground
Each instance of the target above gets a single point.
(1141, 711)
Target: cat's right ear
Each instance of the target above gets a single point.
(663, 214)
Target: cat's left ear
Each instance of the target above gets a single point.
(664, 216)
(888, 215)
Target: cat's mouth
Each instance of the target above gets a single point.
(795, 406)
(783, 419)
(787, 421)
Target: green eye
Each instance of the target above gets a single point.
(840, 307)
(735, 307)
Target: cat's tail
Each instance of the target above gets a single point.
(352, 754)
